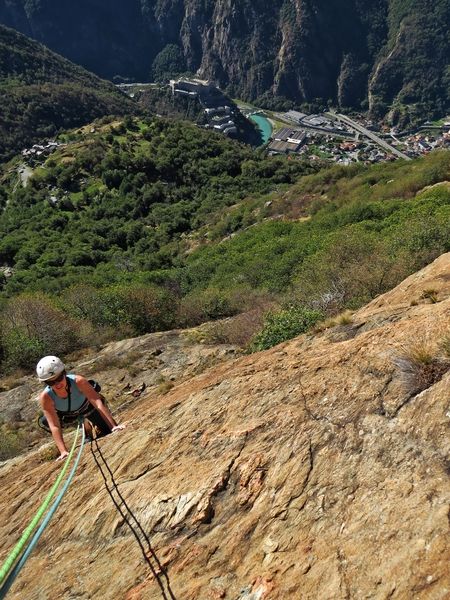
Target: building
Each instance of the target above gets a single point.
(294, 115)
(218, 113)
(210, 112)
(220, 119)
(316, 121)
(191, 87)
(286, 141)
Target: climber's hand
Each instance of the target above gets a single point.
(118, 428)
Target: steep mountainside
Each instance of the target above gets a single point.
(388, 52)
(317, 469)
(41, 93)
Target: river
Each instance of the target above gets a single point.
(263, 125)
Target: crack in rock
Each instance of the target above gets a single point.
(205, 507)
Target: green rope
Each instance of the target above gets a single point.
(34, 522)
(23, 559)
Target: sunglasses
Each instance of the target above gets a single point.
(55, 380)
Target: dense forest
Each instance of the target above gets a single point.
(42, 93)
(389, 57)
(135, 225)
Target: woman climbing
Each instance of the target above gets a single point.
(67, 397)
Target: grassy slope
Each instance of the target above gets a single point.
(218, 228)
(398, 204)
(131, 194)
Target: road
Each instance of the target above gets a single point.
(369, 134)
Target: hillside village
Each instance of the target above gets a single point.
(319, 137)
(320, 146)
(314, 141)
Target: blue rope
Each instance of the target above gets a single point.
(18, 567)
(18, 548)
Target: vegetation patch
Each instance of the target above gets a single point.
(12, 442)
(431, 295)
(283, 325)
(423, 363)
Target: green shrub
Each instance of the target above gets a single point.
(31, 325)
(132, 309)
(21, 351)
(148, 308)
(205, 305)
(284, 325)
(344, 274)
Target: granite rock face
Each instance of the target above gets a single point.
(312, 470)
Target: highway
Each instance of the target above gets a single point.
(369, 134)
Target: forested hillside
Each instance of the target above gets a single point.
(125, 191)
(42, 93)
(388, 56)
(137, 226)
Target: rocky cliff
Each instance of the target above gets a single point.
(318, 469)
(389, 53)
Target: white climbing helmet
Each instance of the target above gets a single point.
(49, 367)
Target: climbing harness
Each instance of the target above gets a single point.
(86, 410)
(10, 560)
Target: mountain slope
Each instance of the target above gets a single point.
(411, 73)
(388, 53)
(317, 469)
(41, 93)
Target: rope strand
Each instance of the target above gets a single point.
(35, 520)
(18, 567)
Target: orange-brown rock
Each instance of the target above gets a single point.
(314, 470)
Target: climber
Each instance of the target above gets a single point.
(65, 398)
